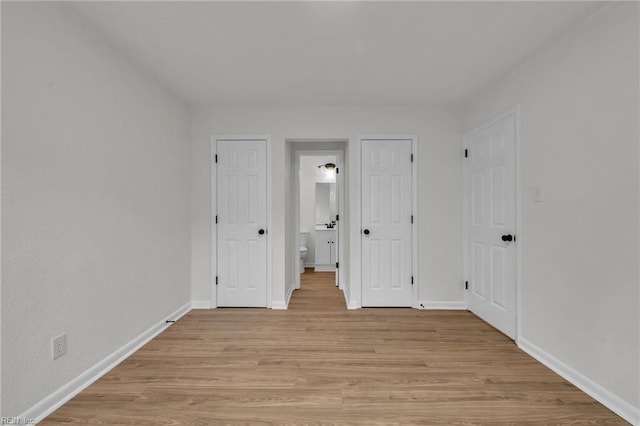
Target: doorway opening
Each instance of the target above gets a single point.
(318, 213)
(318, 227)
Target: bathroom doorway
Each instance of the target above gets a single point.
(318, 201)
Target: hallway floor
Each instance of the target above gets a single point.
(318, 363)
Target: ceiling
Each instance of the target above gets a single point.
(330, 53)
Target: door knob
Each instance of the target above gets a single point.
(507, 237)
(261, 232)
(365, 232)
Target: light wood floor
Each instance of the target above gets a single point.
(318, 363)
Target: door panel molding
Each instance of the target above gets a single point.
(356, 300)
(473, 212)
(214, 208)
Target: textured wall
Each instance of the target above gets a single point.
(580, 247)
(440, 185)
(95, 201)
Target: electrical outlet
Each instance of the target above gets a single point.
(58, 346)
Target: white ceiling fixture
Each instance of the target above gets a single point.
(330, 53)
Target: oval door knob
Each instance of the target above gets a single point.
(507, 237)
(261, 232)
(365, 232)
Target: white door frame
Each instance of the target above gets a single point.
(357, 216)
(515, 112)
(214, 208)
(340, 178)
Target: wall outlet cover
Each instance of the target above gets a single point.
(58, 346)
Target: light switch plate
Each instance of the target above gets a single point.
(537, 194)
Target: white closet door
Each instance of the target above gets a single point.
(490, 185)
(241, 223)
(386, 222)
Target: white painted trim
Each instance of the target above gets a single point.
(616, 404)
(201, 304)
(357, 192)
(296, 219)
(288, 297)
(443, 305)
(515, 112)
(214, 208)
(54, 401)
(343, 223)
(415, 262)
(345, 293)
(278, 305)
(269, 222)
(324, 268)
(355, 233)
(214, 229)
(351, 304)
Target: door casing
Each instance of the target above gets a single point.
(357, 216)
(214, 208)
(342, 225)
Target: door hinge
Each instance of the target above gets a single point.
(216, 280)
(466, 153)
(514, 238)
(216, 218)
(411, 218)
(337, 217)
(337, 171)
(466, 285)
(412, 158)
(216, 158)
(337, 265)
(411, 279)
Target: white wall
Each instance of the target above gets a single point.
(95, 199)
(308, 203)
(438, 131)
(580, 246)
(0, 230)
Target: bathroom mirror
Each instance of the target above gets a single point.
(326, 208)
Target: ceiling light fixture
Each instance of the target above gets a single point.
(328, 166)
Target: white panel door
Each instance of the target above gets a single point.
(386, 223)
(490, 216)
(241, 223)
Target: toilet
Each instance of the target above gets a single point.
(304, 239)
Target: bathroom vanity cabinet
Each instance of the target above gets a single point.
(326, 250)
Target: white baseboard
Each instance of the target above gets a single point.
(324, 268)
(351, 304)
(54, 401)
(447, 305)
(283, 304)
(201, 304)
(279, 304)
(588, 386)
(290, 293)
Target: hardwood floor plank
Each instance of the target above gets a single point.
(318, 364)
